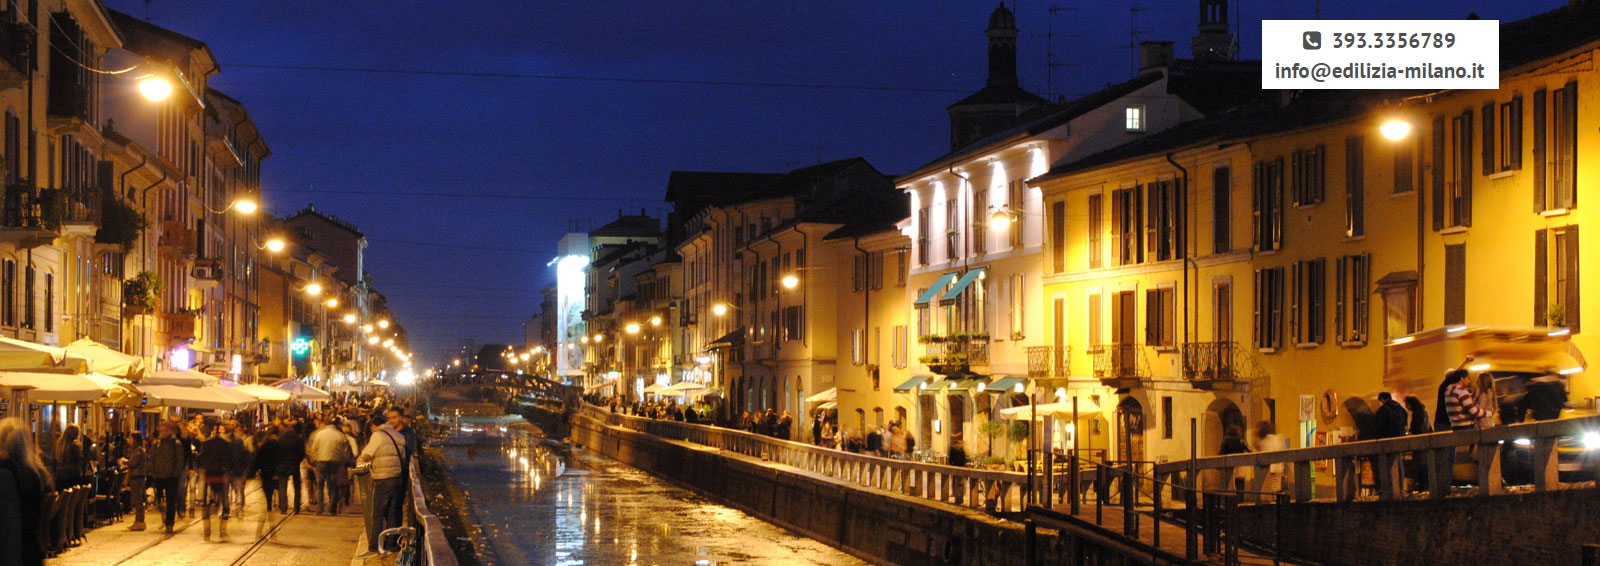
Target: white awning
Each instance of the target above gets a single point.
(829, 405)
(655, 388)
(830, 395)
(263, 393)
(53, 386)
(24, 355)
(182, 378)
(213, 397)
(1085, 407)
(683, 387)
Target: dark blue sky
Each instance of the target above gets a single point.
(343, 132)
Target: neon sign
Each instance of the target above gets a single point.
(300, 346)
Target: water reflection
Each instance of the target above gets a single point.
(540, 504)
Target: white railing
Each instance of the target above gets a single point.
(992, 490)
(433, 547)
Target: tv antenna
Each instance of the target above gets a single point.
(1133, 34)
(1050, 61)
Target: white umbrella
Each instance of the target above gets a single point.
(24, 355)
(212, 397)
(105, 360)
(655, 388)
(53, 386)
(263, 393)
(301, 391)
(831, 394)
(184, 378)
(682, 387)
(1085, 407)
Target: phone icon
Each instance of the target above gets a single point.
(1311, 40)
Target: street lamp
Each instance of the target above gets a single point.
(372, 339)
(1395, 129)
(655, 321)
(243, 204)
(632, 328)
(155, 88)
(274, 245)
(349, 318)
(719, 309)
(333, 303)
(791, 281)
(383, 323)
(314, 289)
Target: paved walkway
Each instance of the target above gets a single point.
(257, 539)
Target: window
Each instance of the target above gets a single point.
(8, 287)
(800, 257)
(1222, 312)
(1555, 169)
(1161, 221)
(1158, 319)
(1308, 175)
(1127, 225)
(1452, 172)
(857, 346)
(1166, 417)
(1133, 118)
(1221, 216)
(858, 276)
(899, 357)
(875, 270)
(1405, 168)
(29, 304)
(901, 257)
(1017, 205)
(1019, 308)
(1555, 291)
(922, 316)
(1269, 308)
(1354, 276)
(979, 215)
(1266, 205)
(1455, 284)
(1308, 307)
(1354, 187)
(922, 236)
(1094, 322)
(1096, 226)
(50, 302)
(1509, 141)
(952, 230)
(794, 320)
(1058, 236)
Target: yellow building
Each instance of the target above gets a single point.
(1252, 266)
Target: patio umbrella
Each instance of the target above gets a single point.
(53, 386)
(301, 391)
(1025, 412)
(184, 378)
(263, 393)
(655, 388)
(105, 360)
(212, 397)
(24, 355)
(118, 390)
(682, 388)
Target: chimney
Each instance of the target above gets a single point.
(1154, 54)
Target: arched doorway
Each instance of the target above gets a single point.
(1220, 417)
(1130, 430)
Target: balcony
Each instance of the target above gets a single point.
(1121, 365)
(1220, 365)
(177, 238)
(17, 41)
(25, 220)
(955, 353)
(1049, 362)
(77, 210)
(206, 273)
(180, 326)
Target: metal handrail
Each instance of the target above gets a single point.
(434, 547)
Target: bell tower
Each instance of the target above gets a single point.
(1214, 42)
(1002, 34)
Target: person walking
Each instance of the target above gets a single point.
(1391, 417)
(242, 457)
(292, 450)
(215, 461)
(265, 468)
(327, 451)
(387, 455)
(138, 472)
(19, 457)
(166, 469)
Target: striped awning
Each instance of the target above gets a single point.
(966, 281)
(933, 290)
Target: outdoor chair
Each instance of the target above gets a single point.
(49, 508)
(60, 518)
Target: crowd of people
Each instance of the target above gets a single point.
(305, 460)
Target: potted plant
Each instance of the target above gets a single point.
(992, 429)
(1555, 315)
(1018, 433)
(980, 336)
(119, 224)
(928, 360)
(926, 339)
(141, 294)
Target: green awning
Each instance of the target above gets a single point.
(911, 384)
(937, 386)
(1004, 384)
(967, 279)
(968, 384)
(933, 290)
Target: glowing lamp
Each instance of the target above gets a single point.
(790, 281)
(1395, 130)
(155, 89)
(719, 309)
(1000, 221)
(313, 289)
(632, 328)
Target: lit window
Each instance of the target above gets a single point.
(1135, 118)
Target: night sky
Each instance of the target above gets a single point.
(394, 152)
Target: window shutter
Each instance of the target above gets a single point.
(1464, 209)
(1152, 316)
(1355, 186)
(1341, 268)
(1256, 304)
(1221, 233)
(1567, 192)
(1296, 296)
(1573, 309)
(1539, 164)
(1297, 178)
(1152, 222)
(1455, 284)
(1255, 206)
(1541, 276)
(1488, 140)
(1439, 164)
(1515, 135)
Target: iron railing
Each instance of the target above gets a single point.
(1220, 361)
(1121, 361)
(1049, 361)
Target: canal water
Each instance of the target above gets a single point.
(538, 504)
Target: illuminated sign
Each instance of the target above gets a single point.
(300, 346)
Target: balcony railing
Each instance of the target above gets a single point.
(947, 354)
(1211, 363)
(207, 272)
(1049, 361)
(180, 326)
(177, 237)
(17, 42)
(1121, 362)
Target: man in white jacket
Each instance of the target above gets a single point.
(386, 451)
(328, 452)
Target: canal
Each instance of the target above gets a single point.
(540, 504)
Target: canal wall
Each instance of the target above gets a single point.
(878, 526)
(1548, 527)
